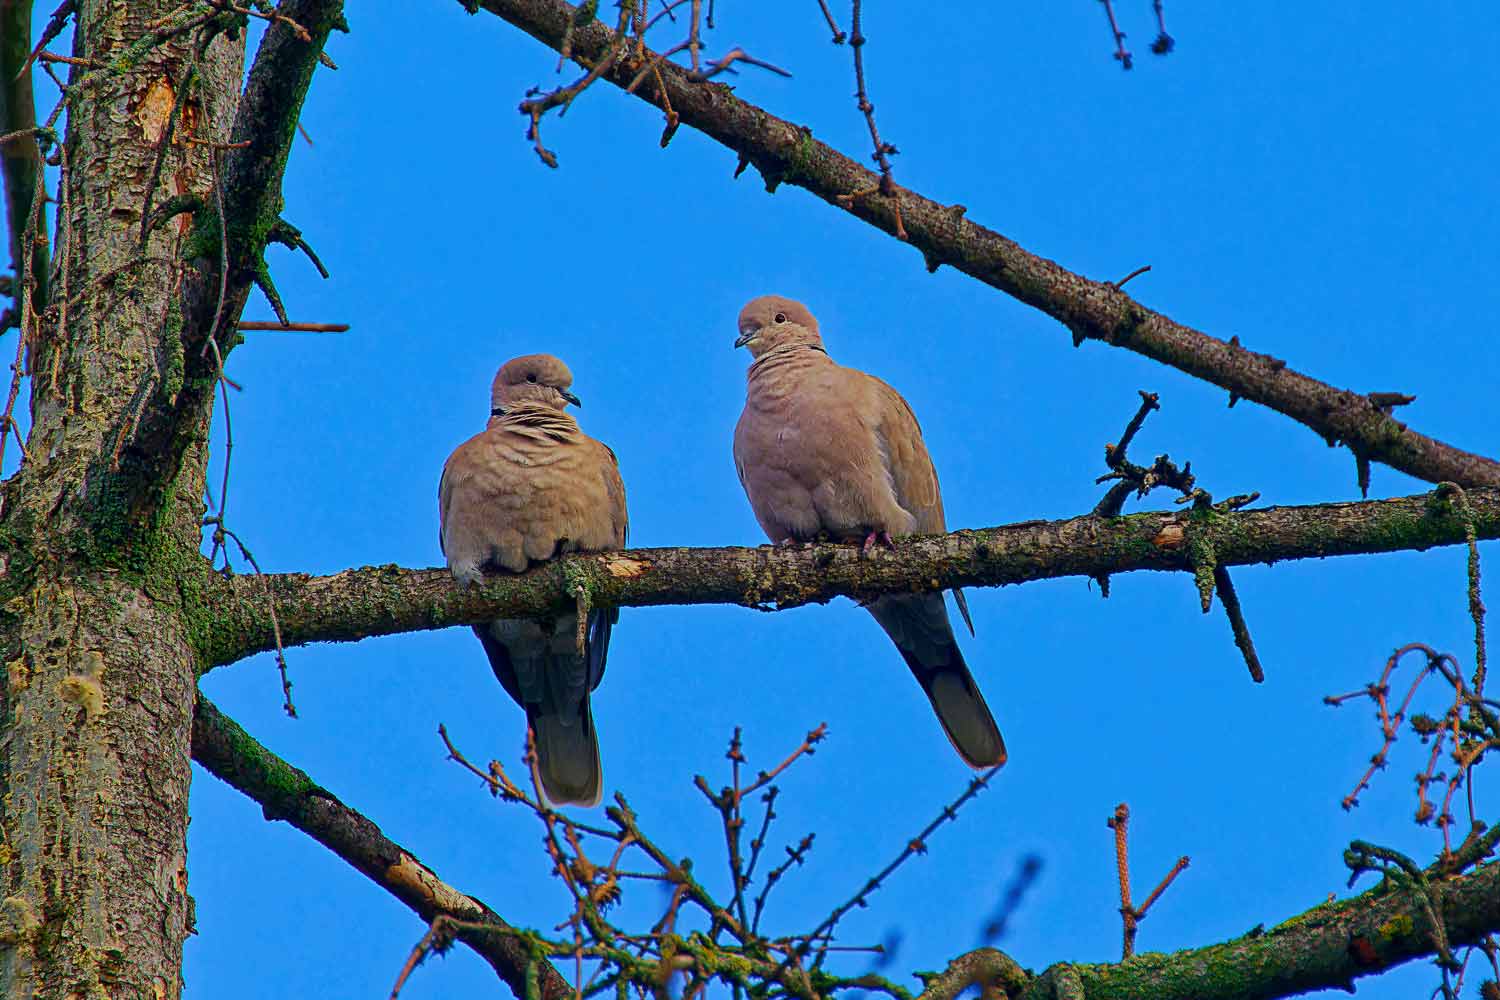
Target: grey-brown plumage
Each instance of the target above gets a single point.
(528, 488)
(821, 448)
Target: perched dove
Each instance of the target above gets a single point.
(824, 448)
(529, 488)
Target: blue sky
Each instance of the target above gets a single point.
(1319, 183)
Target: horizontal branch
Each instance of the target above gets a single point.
(386, 600)
(1095, 310)
(286, 793)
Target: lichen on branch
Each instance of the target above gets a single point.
(387, 600)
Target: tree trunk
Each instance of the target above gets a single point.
(99, 651)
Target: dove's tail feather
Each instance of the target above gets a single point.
(918, 625)
(567, 756)
(965, 717)
(540, 669)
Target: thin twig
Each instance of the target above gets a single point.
(838, 36)
(1231, 604)
(1119, 823)
(1161, 886)
(1163, 43)
(1133, 274)
(438, 937)
(1130, 914)
(1122, 54)
(917, 845)
(728, 59)
(293, 327)
(281, 667)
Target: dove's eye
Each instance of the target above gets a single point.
(531, 378)
(781, 317)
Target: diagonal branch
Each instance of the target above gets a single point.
(1092, 310)
(234, 227)
(386, 600)
(1327, 947)
(286, 793)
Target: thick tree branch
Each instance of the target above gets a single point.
(1094, 310)
(226, 247)
(385, 600)
(286, 793)
(1328, 947)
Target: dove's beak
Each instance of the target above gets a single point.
(565, 394)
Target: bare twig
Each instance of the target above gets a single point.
(1027, 872)
(1133, 274)
(917, 845)
(838, 36)
(55, 25)
(439, 938)
(1122, 54)
(219, 531)
(1470, 728)
(728, 803)
(728, 59)
(883, 150)
(294, 327)
(1231, 602)
(1163, 42)
(1131, 915)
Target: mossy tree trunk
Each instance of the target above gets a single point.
(108, 610)
(100, 667)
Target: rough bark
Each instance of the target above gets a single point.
(385, 600)
(100, 673)
(100, 528)
(786, 153)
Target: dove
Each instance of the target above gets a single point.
(531, 487)
(824, 449)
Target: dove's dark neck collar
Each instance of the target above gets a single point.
(786, 350)
(785, 354)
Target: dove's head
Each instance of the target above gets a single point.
(537, 379)
(773, 321)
